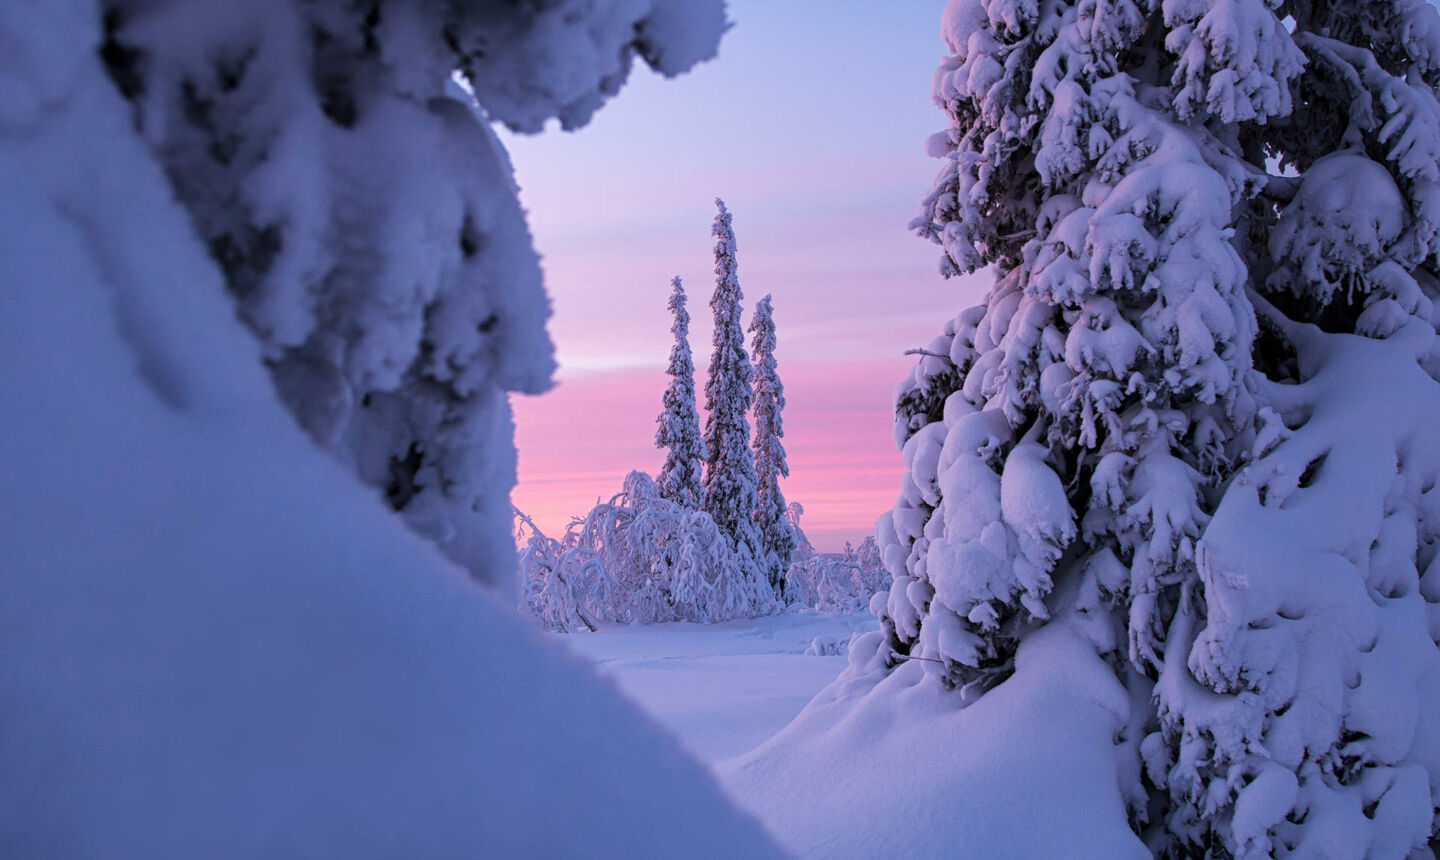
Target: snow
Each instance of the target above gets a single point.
(214, 641)
(886, 765)
(721, 688)
(1330, 648)
(893, 765)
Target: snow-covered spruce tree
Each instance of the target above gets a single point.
(776, 537)
(731, 494)
(681, 478)
(1194, 417)
(365, 216)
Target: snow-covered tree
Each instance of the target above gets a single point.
(769, 401)
(563, 585)
(1194, 416)
(388, 276)
(837, 582)
(731, 494)
(867, 555)
(803, 548)
(638, 558)
(681, 477)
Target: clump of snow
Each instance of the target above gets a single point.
(827, 646)
(565, 59)
(1318, 643)
(213, 641)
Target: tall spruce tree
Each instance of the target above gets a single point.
(770, 466)
(1193, 418)
(730, 490)
(681, 479)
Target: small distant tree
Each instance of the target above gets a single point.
(681, 480)
(867, 555)
(730, 488)
(777, 538)
(803, 548)
(640, 558)
(837, 582)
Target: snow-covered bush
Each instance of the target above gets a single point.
(803, 548)
(639, 558)
(1194, 417)
(867, 555)
(566, 587)
(827, 582)
(365, 217)
(834, 582)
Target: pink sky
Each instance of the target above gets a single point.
(811, 125)
(842, 469)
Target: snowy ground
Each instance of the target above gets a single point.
(839, 780)
(722, 688)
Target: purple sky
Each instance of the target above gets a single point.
(811, 125)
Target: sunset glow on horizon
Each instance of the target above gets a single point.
(821, 195)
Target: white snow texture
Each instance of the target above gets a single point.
(214, 642)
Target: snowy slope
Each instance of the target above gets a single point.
(892, 765)
(213, 642)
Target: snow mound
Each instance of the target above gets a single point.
(828, 646)
(893, 765)
(213, 641)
